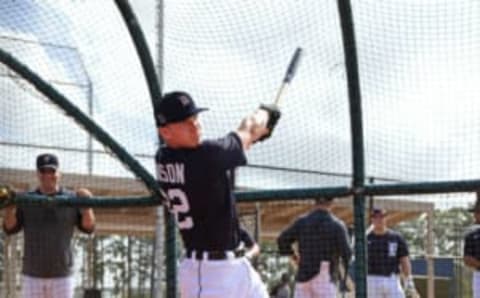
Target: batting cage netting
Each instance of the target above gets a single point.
(72, 85)
(382, 114)
(417, 79)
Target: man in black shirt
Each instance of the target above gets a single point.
(387, 256)
(322, 243)
(471, 251)
(194, 174)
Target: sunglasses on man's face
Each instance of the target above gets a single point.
(47, 171)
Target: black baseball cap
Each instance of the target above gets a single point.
(323, 199)
(47, 160)
(378, 211)
(175, 106)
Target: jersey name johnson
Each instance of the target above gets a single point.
(171, 173)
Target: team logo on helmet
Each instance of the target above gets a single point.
(184, 100)
(161, 119)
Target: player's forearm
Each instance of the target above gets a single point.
(471, 262)
(253, 251)
(10, 218)
(88, 219)
(406, 266)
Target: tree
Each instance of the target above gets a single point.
(449, 227)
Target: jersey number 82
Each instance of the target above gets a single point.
(180, 207)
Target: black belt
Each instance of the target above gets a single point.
(214, 255)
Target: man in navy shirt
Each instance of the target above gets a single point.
(323, 246)
(387, 257)
(194, 174)
(471, 251)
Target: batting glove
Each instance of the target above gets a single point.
(410, 287)
(273, 116)
(6, 192)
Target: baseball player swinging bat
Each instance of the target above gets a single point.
(273, 110)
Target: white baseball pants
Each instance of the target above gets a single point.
(476, 284)
(59, 287)
(320, 286)
(230, 278)
(384, 287)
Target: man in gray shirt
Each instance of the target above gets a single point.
(48, 231)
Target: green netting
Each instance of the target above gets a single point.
(69, 74)
(419, 77)
(418, 73)
(419, 69)
(85, 52)
(232, 56)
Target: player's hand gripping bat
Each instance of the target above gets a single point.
(273, 110)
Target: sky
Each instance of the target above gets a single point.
(145, 10)
(419, 71)
(93, 63)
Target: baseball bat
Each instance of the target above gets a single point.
(291, 70)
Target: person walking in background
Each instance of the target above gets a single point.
(471, 250)
(195, 175)
(387, 257)
(323, 244)
(48, 259)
